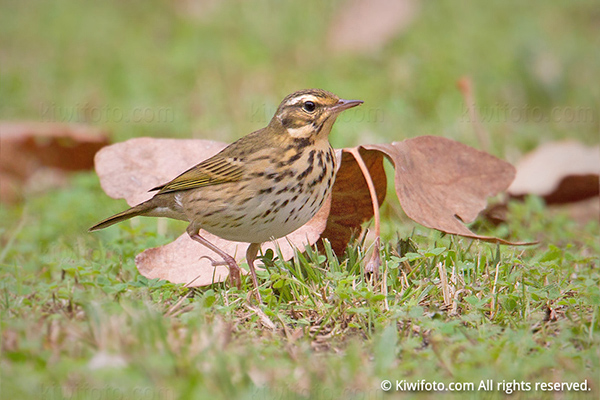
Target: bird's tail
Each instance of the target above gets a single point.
(140, 209)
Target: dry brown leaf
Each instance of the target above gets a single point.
(581, 212)
(443, 184)
(560, 172)
(130, 169)
(365, 26)
(437, 179)
(351, 201)
(28, 147)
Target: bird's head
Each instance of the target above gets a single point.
(310, 113)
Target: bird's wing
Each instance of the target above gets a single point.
(215, 170)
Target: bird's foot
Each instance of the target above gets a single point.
(234, 269)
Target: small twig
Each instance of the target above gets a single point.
(465, 85)
(454, 309)
(384, 288)
(14, 235)
(444, 285)
(375, 261)
(171, 311)
(493, 300)
(405, 284)
(266, 321)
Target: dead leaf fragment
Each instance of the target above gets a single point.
(365, 26)
(130, 169)
(560, 172)
(582, 211)
(28, 147)
(443, 184)
(351, 202)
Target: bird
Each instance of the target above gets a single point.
(259, 188)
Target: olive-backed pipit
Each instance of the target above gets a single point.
(261, 187)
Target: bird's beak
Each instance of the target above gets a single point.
(345, 104)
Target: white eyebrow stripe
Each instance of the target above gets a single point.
(301, 99)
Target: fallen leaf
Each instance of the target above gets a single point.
(200, 11)
(128, 170)
(365, 26)
(351, 201)
(29, 147)
(560, 172)
(443, 184)
(581, 212)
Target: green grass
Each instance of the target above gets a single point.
(79, 322)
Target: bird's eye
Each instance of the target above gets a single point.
(309, 106)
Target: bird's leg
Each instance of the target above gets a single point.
(250, 257)
(234, 270)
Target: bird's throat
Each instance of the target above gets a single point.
(305, 131)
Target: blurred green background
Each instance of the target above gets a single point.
(218, 69)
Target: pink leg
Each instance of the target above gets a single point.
(234, 270)
(250, 257)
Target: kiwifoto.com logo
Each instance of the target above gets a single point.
(51, 112)
(504, 113)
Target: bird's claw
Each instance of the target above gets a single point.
(234, 270)
(214, 262)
